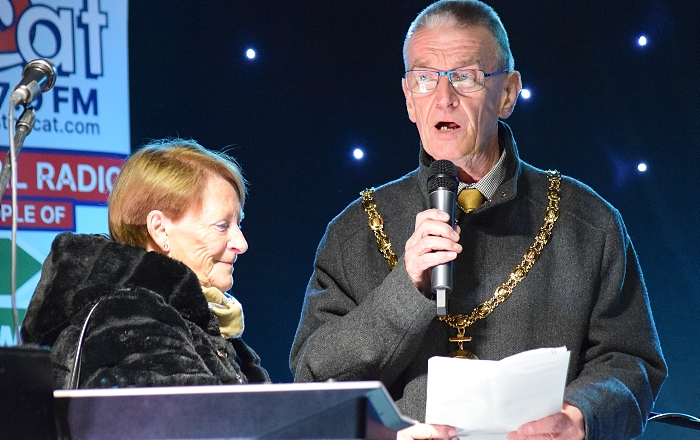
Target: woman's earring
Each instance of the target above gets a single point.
(166, 246)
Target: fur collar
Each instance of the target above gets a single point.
(81, 269)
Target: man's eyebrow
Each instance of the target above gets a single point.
(419, 64)
(471, 61)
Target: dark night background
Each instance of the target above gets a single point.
(327, 79)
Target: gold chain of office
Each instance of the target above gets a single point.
(503, 292)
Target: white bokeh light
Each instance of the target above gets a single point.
(250, 53)
(642, 41)
(358, 153)
(525, 93)
(642, 167)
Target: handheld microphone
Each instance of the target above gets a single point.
(442, 190)
(38, 76)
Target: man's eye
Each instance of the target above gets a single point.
(424, 77)
(462, 76)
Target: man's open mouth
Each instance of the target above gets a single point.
(446, 126)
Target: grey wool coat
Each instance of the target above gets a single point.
(361, 321)
(151, 327)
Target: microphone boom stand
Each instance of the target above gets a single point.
(25, 124)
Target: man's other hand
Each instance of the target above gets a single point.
(566, 425)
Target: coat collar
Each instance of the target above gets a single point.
(81, 269)
(506, 190)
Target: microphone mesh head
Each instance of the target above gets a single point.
(46, 68)
(443, 174)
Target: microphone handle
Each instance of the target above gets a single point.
(441, 275)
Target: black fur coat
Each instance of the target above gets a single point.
(151, 325)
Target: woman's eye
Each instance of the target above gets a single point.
(221, 226)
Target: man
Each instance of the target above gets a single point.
(579, 284)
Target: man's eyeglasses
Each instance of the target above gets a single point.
(463, 80)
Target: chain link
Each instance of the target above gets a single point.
(376, 224)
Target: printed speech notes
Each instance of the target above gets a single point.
(487, 399)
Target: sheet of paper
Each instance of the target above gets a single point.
(487, 399)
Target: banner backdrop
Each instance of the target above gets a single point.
(81, 134)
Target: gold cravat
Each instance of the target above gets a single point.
(470, 199)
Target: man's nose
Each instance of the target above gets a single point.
(446, 94)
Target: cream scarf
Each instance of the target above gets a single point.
(228, 311)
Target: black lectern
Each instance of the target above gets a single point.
(329, 410)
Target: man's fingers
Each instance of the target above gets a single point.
(432, 214)
(431, 223)
(433, 242)
(566, 425)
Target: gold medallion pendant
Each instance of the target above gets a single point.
(464, 354)
(460, 339)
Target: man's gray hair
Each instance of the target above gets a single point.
(463, 14)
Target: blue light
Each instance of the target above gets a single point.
(525, 93)
(250, 53)
(359, 154)
(642, 167)
(642, 41)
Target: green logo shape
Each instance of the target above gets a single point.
(27, 266)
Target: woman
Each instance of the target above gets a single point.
(147, 308)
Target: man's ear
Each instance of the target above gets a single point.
(157, 224)
(509, 96)
(409, 102)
